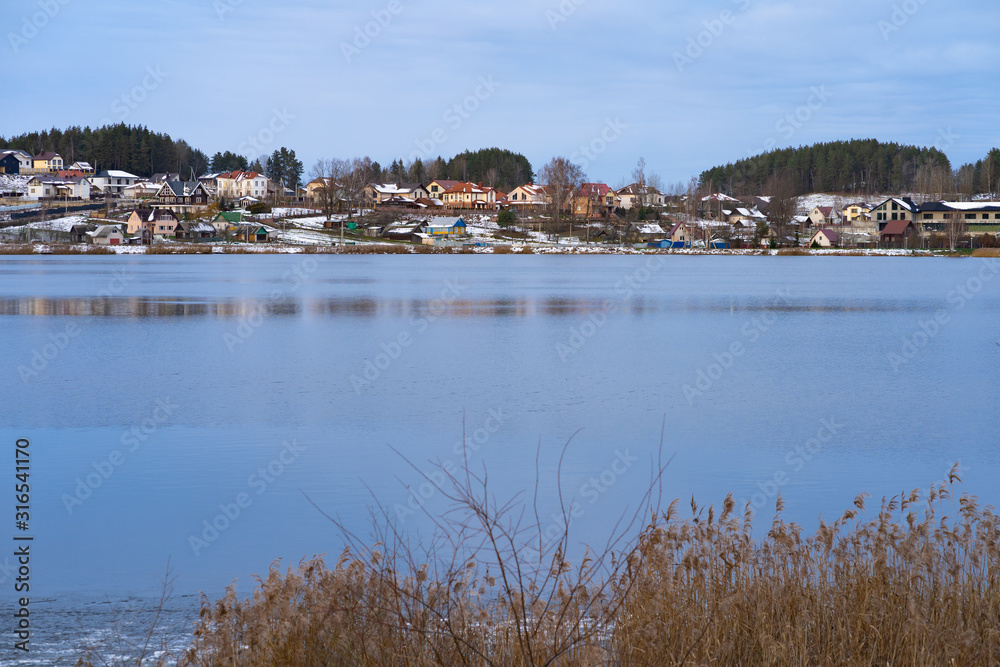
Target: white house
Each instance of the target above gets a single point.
(528, 196)
(823, 215)
(141, 190)
(53, 187)
(107, 235)
(113, 181)
(632, 195)
(236, 184)
(379, 193)
(82, 166)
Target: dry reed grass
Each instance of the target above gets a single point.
(17, 249)
(179, 249)
(54, 249)
(986, 252)
(915, 585)
(376, 249)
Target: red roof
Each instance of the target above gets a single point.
(464, 187)
(236, 175)
(591, 189)
(896, 227)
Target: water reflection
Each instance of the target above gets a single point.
(373, 307)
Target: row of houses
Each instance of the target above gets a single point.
(592, 200)
(14, 161)
(143, 226)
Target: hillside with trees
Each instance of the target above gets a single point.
(865, 166)
(134, 149)
(496, 167)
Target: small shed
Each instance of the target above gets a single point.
(446, 226)
(254, 233)
(896, 231)
(81, 233)
(403, 231)
(193, 231)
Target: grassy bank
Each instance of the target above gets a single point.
(915, 584)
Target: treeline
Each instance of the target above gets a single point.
(860, 165)
(134, 149)
(983, 176)
(281, 166)
(496, 167)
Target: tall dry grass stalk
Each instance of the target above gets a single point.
(915, 585)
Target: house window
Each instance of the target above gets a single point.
(970, 216)
(986, 216)
(895, 216)
(928, 216)
(895, 207)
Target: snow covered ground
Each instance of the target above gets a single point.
(280, 212)
(59, 224)
(807, 203)
(14, 183)
(317, 222)
(303, 237)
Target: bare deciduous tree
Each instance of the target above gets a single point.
(491, 177)
(639, 178)
(358, 174)
(563, 179)
(781, 208)
(955, 228)
(329, 172)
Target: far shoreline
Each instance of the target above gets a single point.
(498, 249)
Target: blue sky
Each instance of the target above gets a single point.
(685, 85)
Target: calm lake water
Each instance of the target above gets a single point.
(161, 394)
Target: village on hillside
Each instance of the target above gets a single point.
(43, 201)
